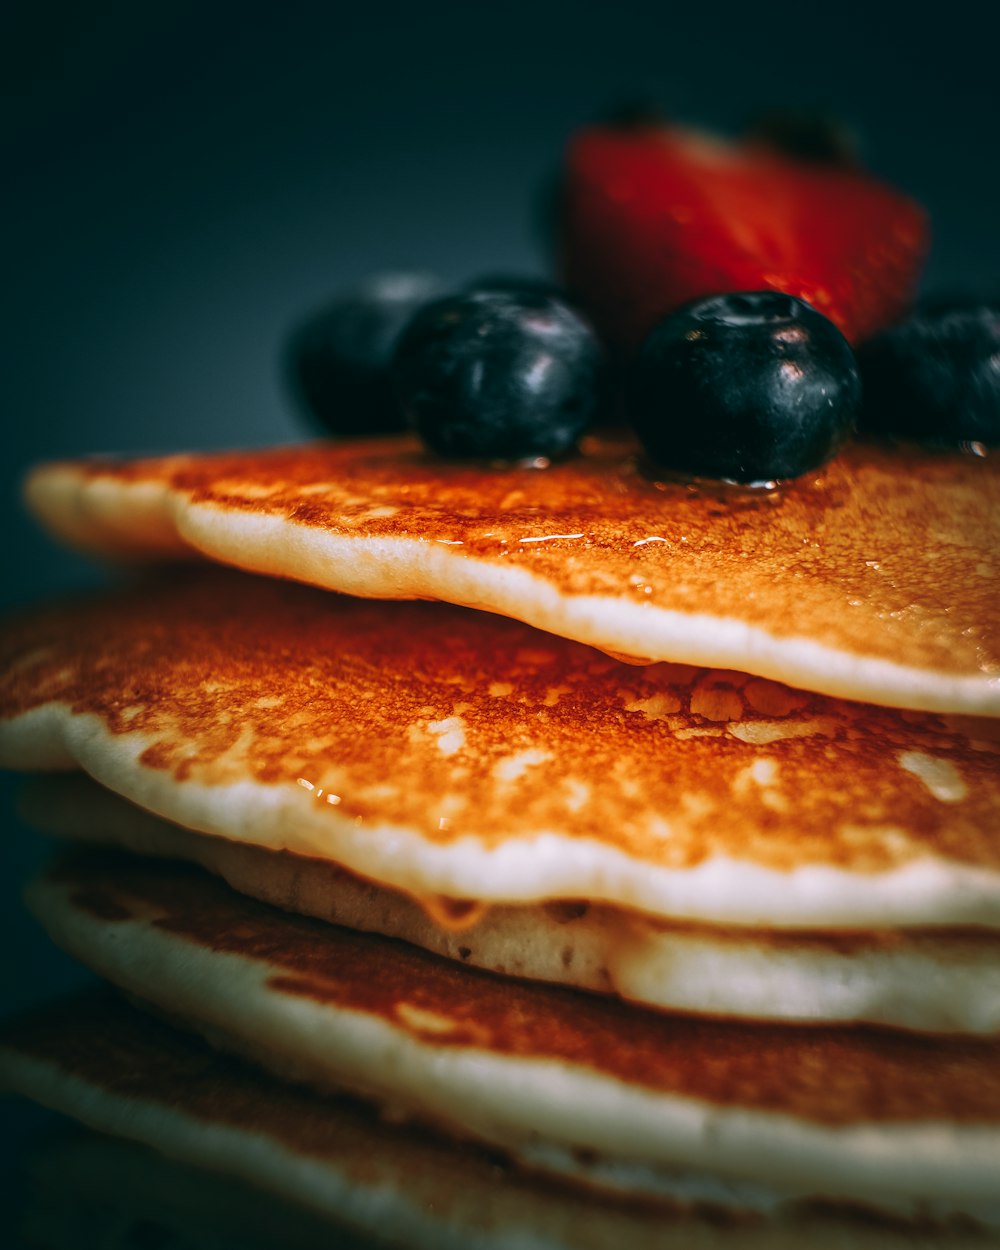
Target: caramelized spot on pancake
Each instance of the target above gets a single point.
(452, 913)
(439, 720)
(887, 552)
(824, 1074)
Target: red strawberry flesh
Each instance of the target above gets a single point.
(655, 217)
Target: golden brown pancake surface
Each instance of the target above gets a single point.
(452, 724)
(885, 557)
(831, 1076)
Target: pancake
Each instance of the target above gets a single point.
(943, 980)
(875, 578)
(758, 1115)
(227, 1137)
(444, 752)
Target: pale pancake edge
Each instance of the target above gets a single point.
(875, 578)
(891, 1119)
(931, 981)
(101, 1061)
(443, 751)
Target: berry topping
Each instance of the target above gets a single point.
(498, 374)
(748, 387)
(338, 361)
(654, 217)
(936, 377)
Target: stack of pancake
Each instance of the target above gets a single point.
(650, 873)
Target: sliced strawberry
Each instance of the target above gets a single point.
(655, 216)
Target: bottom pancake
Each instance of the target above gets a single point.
(933, 981)
(750, 1116)
(120, 1072)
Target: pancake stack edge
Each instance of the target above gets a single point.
(678, 940)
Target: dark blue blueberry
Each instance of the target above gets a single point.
(747, 387)
(936, 376)
(499, 375)
(338, 361)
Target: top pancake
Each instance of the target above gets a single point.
(875, 578)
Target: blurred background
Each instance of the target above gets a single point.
(184, 180)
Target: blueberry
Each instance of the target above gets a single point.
(936, 376)
(748, 387)
(498, 374)
(338, 360)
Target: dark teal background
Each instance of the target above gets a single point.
(183, 180)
